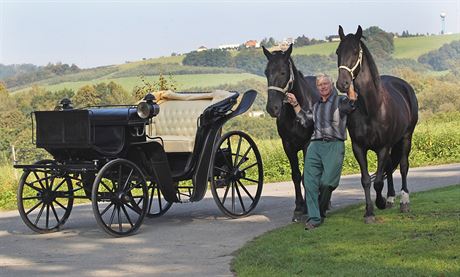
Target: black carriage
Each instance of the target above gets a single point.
(121, 158)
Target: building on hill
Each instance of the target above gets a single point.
(201, 48)
(228, 46)
(332, 38)
(252, 44)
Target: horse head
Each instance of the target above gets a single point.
(280, 78)
(349, 59)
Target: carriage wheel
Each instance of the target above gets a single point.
(157, 205)
(119, 197)
(45, 198)
(237, 174)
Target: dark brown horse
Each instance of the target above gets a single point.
(282, 77)
(383, 122)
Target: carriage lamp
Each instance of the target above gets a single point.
(64, 104)
(148, 108)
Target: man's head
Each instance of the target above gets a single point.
(324, 85)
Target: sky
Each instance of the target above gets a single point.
(102, 32)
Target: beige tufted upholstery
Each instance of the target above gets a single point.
(176, 123)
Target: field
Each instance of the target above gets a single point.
(183, 81)
(410, 48)
(424, 242)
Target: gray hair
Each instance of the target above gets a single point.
(323, 76)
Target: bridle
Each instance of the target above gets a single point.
(288, 87)
(358, 63)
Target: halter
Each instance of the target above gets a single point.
(287, 88)
(358, 63)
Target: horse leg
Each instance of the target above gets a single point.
(404, 168)
(382, 160)
(297, 179)
(390, 187)
(391, 166)
(361, 157)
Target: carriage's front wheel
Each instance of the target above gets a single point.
(236, 174)
(119, 197)
(45, 198)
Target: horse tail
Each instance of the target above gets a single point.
(393, 162)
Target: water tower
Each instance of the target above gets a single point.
(443, 23)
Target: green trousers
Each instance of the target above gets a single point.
(323, 166)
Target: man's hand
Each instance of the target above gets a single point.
(291, 99)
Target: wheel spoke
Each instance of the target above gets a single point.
(233, 197)
(127, 180)
(151, 198)
(138, 211)
(127, 216)
(39, 214)
(30, 198)
(107, 187)
(113, 215)
(244, 157)
(35, 188)
(62, 206)
(39, 180)
(55, 213)
(34, 207)
(237, 151)
(159, 200)
(225, 194)
(120, 227)
(251, 180)
(106, 209)
(59, 185)
(245, 190)
(47, 216)
(240, 198)
(248, 167)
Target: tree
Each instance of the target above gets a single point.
(268, 42)
(86, 96)
(212, 57)
(379, 42)
(251, 60)
(302, 41)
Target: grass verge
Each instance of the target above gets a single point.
(424, 242)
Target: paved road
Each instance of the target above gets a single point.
(190, 240)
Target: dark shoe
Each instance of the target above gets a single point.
(311, 226)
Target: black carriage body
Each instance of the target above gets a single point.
(89, 134)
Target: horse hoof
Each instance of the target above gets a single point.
(380, 203)
(298, 217)
(404, 207)
(389, 205)
(369, 219)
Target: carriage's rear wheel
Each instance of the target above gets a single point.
(157, 204)
(237, 174)
(120, 198)
(45, 198)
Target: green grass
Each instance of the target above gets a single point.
(408, 48)
(320, 49)
(161, 60)
(183, 81)
(424, 242)
(414, 47)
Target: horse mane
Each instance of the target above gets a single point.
(372, 66)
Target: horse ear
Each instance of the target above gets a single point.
(341, 34)
(359, 32)
(288, 51)
(266, 52)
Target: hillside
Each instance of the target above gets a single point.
(127, 75)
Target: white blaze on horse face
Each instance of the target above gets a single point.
(404, 197)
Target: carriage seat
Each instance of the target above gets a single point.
(177, 123)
